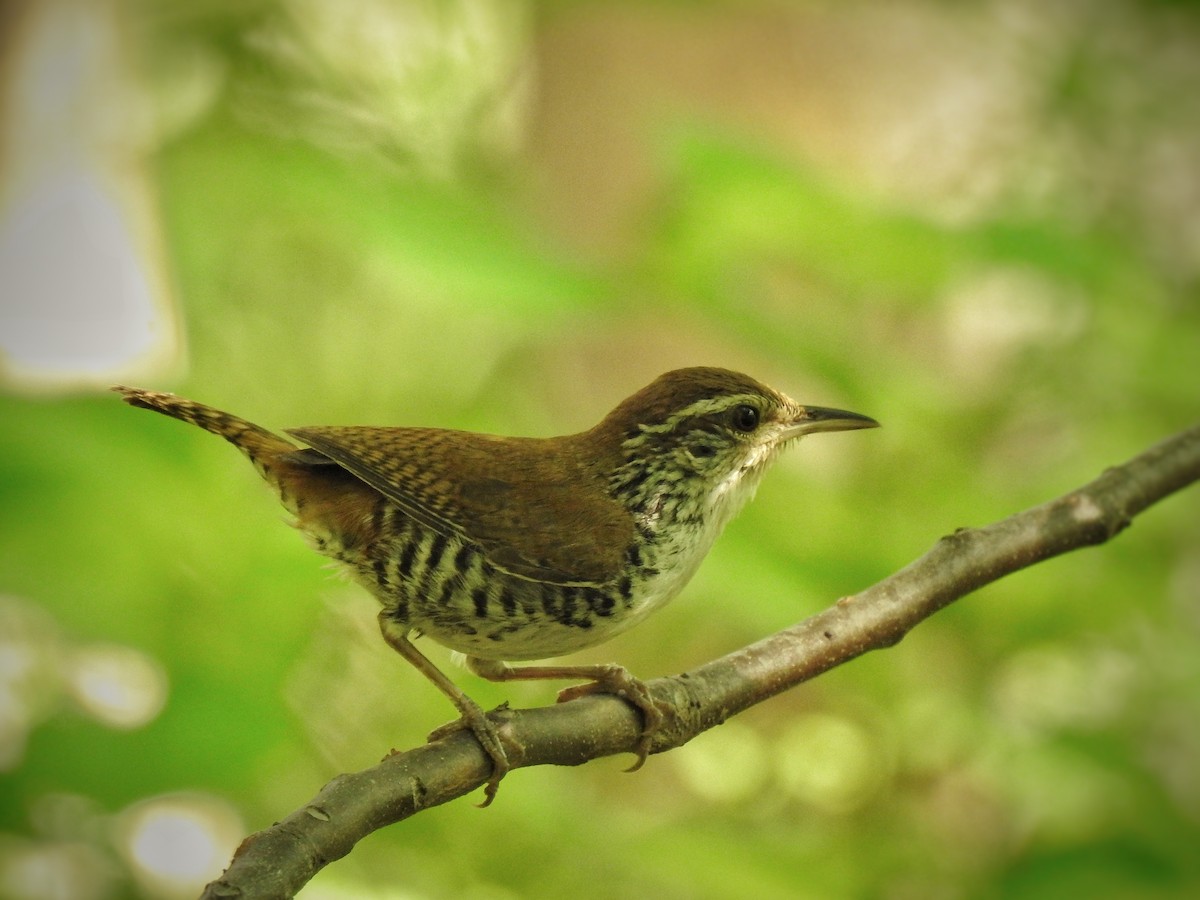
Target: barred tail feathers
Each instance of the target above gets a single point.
(262, 447)
(333, 507)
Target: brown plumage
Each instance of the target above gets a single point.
(524, 548)
(517, 499)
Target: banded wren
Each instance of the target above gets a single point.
(509, 548)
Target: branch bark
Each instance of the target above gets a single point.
(278, 861)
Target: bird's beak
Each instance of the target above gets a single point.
(811, 419)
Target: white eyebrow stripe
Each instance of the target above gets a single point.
(700, 408)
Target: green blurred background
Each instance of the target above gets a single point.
(978, 222)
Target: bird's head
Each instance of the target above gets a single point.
(710, 433)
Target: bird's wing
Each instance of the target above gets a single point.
(527, 507)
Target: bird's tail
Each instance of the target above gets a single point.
(328, 501)
(264, 448)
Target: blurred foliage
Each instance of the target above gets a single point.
(1039, 739)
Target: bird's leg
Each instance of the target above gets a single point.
(606, 678)
(473, 717)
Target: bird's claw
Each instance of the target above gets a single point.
(488, 735)
(634, 691)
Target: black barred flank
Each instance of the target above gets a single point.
(551, 601)
(479, 597)
(436, 551)
(598, 602)
(463, 558)
(570, 596)
(450, 588)
(400, 611)
(407, 557)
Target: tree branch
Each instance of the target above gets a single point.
(278, 861)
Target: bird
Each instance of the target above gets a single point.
(510, 549)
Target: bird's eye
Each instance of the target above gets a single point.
(745, 417)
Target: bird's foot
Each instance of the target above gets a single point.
(485, 731)
(614, 679)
